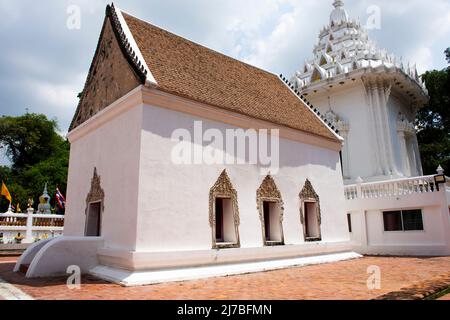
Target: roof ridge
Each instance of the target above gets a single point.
(128, 45)
(311, 107)
(198, 44)
(194, 71)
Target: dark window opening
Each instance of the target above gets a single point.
(225, 229)
(406, 220)
(412, 220)
(392, 221)
(272, 223)
(266, 209)
(93, 220)
(219, 220)
(312, 228)
(349, 222)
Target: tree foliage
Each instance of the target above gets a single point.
(433, 121)
(38, 155)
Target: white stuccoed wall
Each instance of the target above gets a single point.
(114, 149)
(350, 103)
(174, 199)
(369, 237)
(398, 105)
(157, 213)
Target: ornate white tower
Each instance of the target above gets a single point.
(370, 96)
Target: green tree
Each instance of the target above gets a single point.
(38, 155)
(28, 139)
(433, 121)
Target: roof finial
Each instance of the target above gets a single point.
(338, 15)
(338, 3)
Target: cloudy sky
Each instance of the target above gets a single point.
(43, 64)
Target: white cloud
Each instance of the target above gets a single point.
(55, 95)
(44, 58)
(423, 57)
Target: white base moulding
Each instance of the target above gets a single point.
(140, 278)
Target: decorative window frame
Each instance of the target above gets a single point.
(223, 188)
(96, 195)
(268, 191)
(309, 195)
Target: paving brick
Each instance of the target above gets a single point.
(341, 280)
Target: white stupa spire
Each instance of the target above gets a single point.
(344, 47)
(338, 15)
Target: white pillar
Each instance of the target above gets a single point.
(383, 97)
(359, 182)
(343, 130)
(404, 153)
(364, 230)
(29, 232)
(379, 136)
(413, 159)
(376, 154)
(419, 168)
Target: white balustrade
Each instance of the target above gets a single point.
(29, 227)
(391, 188)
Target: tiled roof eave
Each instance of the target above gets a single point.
(311, 108)
(127, 45)
(202, 74)
(336, 139)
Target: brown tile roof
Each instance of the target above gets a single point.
(187, 69)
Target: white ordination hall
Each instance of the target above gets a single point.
(154, 195)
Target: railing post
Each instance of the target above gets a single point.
(359, 194)
(29, 232)
(9, 219)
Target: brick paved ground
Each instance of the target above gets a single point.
(341, 280)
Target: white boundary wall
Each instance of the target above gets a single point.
(369, 237)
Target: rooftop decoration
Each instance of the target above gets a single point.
(343, 48)
(44, 203)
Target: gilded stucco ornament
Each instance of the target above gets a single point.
(268, 191)
(308, 194)
(223, 188)
(96, 193)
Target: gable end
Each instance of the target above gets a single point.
(113, 73)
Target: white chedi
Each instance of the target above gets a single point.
(344, 46)
(44, 203)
